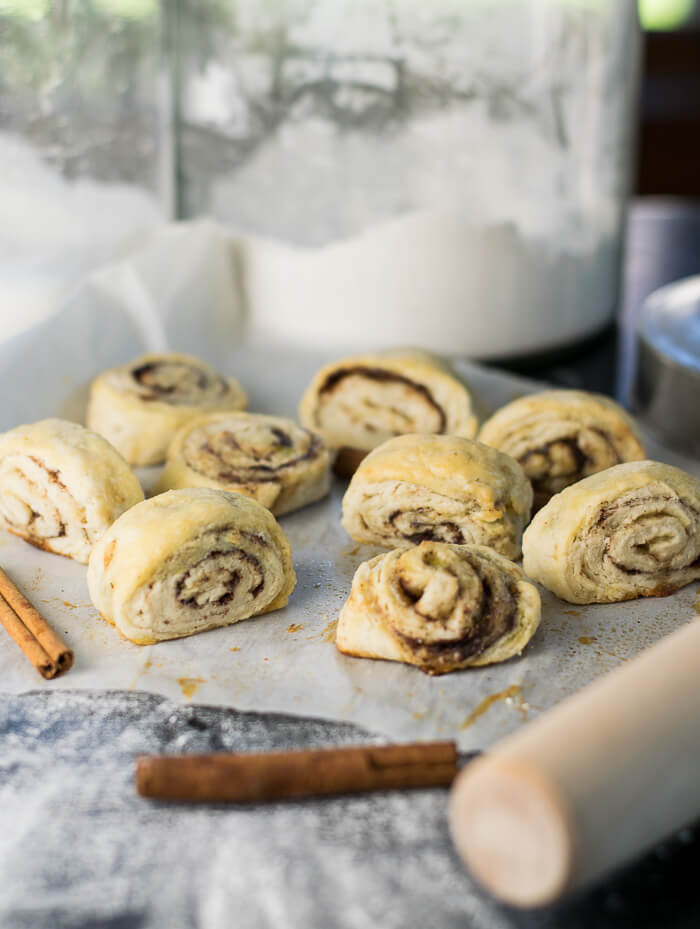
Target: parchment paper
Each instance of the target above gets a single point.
(181, 290)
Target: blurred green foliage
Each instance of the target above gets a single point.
(78, 82)
(45, 43)
(665, 14)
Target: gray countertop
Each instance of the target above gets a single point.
(79, 848)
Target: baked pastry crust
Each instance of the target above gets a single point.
(190, 560)
(268, 458)
(442, 488)
(440, 607)
(139, 406)
(562, 436)
(630, 531)
(62, 486)
(357, 403)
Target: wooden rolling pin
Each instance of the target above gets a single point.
(589, 785)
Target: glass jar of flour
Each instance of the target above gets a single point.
(450, 175)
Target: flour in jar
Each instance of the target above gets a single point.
(450, 175)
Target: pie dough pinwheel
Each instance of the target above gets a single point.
(62, 486)
(440, 607)
(139, 406)
(631, 531)
(443, 488)
(268, 458)
(357, 403)
(561, 436)
(190, 560)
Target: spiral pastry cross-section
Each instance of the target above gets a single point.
(140, 406)
(358, 403)
(562, 436)
(190, 560)
(631, 531)
(268, 458)
(440, 607)
(62, 486)
(441, 488)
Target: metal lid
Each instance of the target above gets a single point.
(666, 393)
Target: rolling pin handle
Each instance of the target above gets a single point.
(590, 785)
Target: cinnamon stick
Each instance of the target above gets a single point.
(246, 778)
(43, 647)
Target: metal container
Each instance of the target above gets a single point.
(448, 174)
(666, 393)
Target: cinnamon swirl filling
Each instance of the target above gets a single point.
(255, 452)
(363, 406)
(36, 505)
(644, 533)
(452, 604)
(394, 512)
(176, 382)
(229, 578)
(554, 465)
(214, 579)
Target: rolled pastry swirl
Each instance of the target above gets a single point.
(561, 436)
(358, 403)
(440, 607)
(443, 488)
(62, 486)
(631, 531)
(139, 406)
(190, 560)
(268, 458)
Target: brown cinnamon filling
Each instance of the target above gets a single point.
(612, 509)
(438, 657)
(496, 616)
(549, 475)
(230, 576)
(215, 463)
(283, 438)
(426, 531)
(381, 375)
(174, 381)
(27, 530)
(53, 474)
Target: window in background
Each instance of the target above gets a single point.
(668, 14)
(82, 161)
